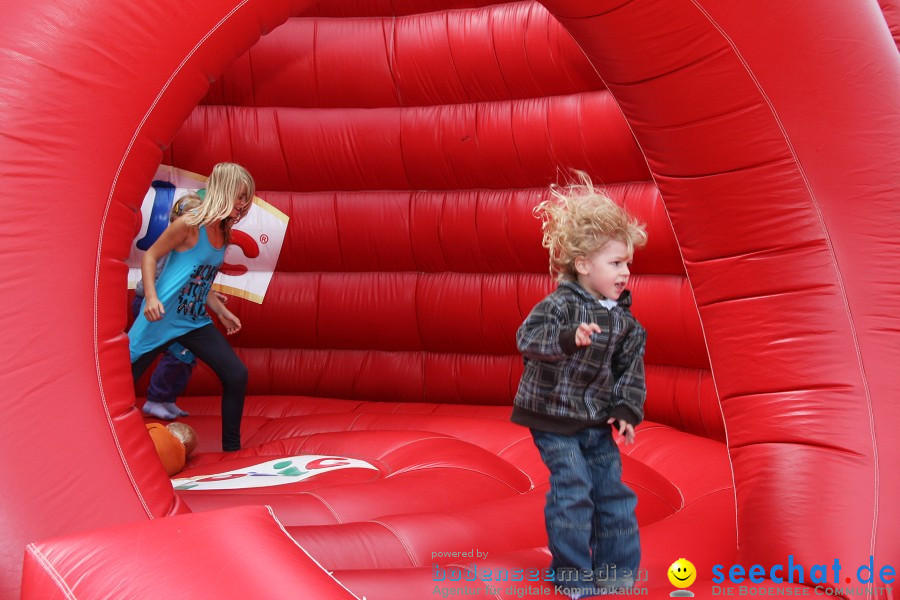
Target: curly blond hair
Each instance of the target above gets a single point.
(578, 220)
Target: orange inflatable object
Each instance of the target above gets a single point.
(407, 141)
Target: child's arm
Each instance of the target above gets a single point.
(546, 335)
(171, 237)
(228, 319)
(630, 389)
(625, 428)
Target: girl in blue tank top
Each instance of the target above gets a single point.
(175, 306)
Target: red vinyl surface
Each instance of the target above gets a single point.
(407, 142)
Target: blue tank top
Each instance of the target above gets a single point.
(182, 288)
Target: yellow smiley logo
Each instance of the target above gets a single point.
(682, 573)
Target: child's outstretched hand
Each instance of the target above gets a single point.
(153, 309)
(625, 428)
(583, 333)
(229, 321)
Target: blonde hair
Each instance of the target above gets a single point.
(222, 188)
(184, 205)
(578, 220)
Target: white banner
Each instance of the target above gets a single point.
(251, 256)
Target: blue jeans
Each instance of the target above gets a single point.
(169, 379)
(172, 374)
(591, 525)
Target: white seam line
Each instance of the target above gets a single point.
(403, 543)
(109, 198)
(324, 502)
(51, 570)
(837, 271)
(311, 557)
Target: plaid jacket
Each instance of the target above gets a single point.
(566, 383)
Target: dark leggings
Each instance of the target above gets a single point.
(209, 345)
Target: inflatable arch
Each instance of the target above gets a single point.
(407, 142)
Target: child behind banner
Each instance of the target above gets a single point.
(173, 372)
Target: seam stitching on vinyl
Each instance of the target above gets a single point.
(403, 543)
(112, 190)
(311, 557)
(51, 570)
(834, 262)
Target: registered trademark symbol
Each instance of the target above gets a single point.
(264, 239)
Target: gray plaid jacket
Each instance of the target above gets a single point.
(588, 384)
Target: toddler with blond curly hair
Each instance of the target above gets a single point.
(584, 374)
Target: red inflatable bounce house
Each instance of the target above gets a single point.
(402, 145)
